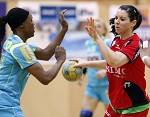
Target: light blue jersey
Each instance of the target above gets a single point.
(93, 53)
(16, 57)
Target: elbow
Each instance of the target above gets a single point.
(114, 63)
(46, 55)
(46, 58)
(46, 81)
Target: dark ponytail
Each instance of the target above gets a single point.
(3, 21)
(15, 17)
(112, 24)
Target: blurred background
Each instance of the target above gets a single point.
(62, 98)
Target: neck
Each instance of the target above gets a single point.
(21, 35)
(125, 36)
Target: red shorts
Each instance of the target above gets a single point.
(111, 113)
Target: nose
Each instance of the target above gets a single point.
(33, 24)
(116, 21)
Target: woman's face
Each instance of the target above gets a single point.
(122, 23)
(29, 27)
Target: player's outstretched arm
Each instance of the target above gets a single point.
(92, 64)
(48, 52)
(45, 77)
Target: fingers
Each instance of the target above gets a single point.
(90, 22)
(64, 11)
(75, 59)
(60, 48)
(87, 29)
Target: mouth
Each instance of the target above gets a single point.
(117, 28)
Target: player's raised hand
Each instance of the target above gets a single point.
(62, 19)
(91, 28)
(60, 54)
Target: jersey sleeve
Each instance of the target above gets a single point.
(33, 47)
(24, 55)
(131, 49)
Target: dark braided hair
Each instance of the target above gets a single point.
(3, 21)
(15, 17)
(112, 23)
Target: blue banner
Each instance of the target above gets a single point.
(48, 12)
(71, 11)
(52, 12)
(2, 8)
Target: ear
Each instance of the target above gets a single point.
(22, 25)
(134, 23)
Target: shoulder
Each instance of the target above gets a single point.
(136, 37)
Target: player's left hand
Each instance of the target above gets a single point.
(62, 19)
(80, 62)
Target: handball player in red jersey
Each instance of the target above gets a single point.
(124, 66)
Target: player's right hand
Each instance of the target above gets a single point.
(62, 19)
(60, 54)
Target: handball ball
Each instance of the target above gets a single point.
(70, 73)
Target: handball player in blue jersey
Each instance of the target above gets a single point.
(97, 83)
(19, 59)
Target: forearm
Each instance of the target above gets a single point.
(44, 76)
(108, 54)
(114, 59)
(50, 49)
(96, 64)
(58, 39)
(48, 52)
(52, 73)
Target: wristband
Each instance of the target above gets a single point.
(144, 57)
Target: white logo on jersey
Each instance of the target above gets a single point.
(127, 84)
(117, 72)
(107, 114)
(113, 43)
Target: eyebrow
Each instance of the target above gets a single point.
(120, 16)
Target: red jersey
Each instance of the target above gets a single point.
(127, 84)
